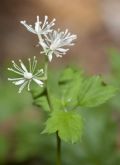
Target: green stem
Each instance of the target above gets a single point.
(58, 154)
(58, 149)
(47, 88)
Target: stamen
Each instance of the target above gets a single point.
(34, 64)
(13, 79)
(22, 87)
(46, 17)
(23, 66)
(29, 85)
(23, 22)
(30, 67)
(39, 72)
(54, 20)
(29, 28)
(38, 19)
(15, 71)
(17, 67)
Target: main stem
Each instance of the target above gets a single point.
(58, 152)
(58, 149)
(47, 90)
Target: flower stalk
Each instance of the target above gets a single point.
(46, 82)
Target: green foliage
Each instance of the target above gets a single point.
(68, 124)
(72, 89)
(39, 98)
(95, 92)
(75, 89)
(42, 103)
(99, 144)
(85, 91)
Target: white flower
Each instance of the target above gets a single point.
(26, 76)
(55, 41)
(40, 28)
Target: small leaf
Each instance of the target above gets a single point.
(42, 103)
(68, 124)
(37, 91)
(40, 99)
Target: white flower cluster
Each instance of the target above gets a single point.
(26, 75)
(52, 41)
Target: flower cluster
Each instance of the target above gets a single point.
(52, 41)
(26, 75)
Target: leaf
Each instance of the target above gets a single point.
(84, 91)
(42, 103)
(37, 91)
(73, 89)
(70, 82)
(67, 75)
(68, 124)
(55, 102)
(70, 74)
(54, 91)
(39, 98)
(47, 98)
(94, 92)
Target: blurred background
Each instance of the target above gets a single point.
(97, 50)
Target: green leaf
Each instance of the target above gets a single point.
(39, 98)
(37, 91)
(73, 89)
(80, 90)
(70, 74)
(44, 96)
(68, 124)
(42, 103)
(55, 102)
(67, 75)
(70, 82)
(94, 92)
(54, 91)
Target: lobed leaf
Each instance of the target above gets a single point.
(94, 92)
(68, 124)
(84, 91)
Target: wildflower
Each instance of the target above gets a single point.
(55, 41)
(40, 28)
(26, 76)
